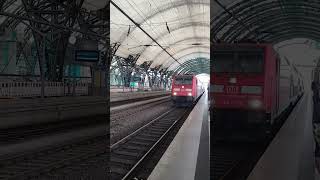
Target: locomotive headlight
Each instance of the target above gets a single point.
(233, 80)
(255, 104)
(189, 94)
(174, 93)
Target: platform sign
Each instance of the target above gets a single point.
(87, 56)
(136, 79)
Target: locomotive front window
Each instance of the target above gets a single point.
(238, 62)
(183, 80)
(223, 62)
(250, 62)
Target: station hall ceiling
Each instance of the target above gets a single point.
(181, 27)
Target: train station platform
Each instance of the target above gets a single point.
(187, 156)
(290, 155)
(22, 112)
(136, 95)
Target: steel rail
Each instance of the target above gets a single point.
(152, 148)
(138, 130)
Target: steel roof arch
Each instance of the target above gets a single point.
(266, 11)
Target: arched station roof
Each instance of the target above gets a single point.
(181, 27)
(194, 66)
(269, 20)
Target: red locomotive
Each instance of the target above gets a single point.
(250, 86)
(185, 89)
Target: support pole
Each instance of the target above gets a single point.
(41, 66)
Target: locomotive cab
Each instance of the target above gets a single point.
(248, 89)
(238, 80)
(184, 90)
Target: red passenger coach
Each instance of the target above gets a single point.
(185, 89)
(250, 85)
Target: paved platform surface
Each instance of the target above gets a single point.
(290, 155)
(20, 112)
(181, 159)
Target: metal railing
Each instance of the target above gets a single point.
(51, 89)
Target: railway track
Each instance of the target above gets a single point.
(33, 165)
(126, 121)
(25, 133)
(128, 154)
(131, 110)
(235, 160)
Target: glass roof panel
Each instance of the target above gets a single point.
(188, 57)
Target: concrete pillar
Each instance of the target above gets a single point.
(99, 83)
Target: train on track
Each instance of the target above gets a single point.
(185, 89)
(250, 87)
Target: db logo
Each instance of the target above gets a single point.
(232, 89)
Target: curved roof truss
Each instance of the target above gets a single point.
(196, 66)
(268, 20)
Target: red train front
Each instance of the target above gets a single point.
(185, 89)
(250, 85)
